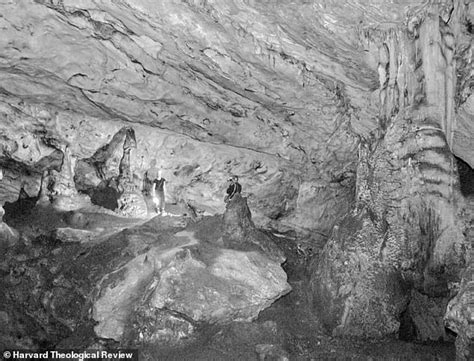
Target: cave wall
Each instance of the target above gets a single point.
(428, 61)
(79, 58)
(286, 110)
(280, 193)
(323, 109)
(403, 247)
(404, 236)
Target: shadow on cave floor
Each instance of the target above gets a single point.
(33, 221)
(285, 329)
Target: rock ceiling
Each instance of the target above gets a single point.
(272, 90)
(328, 110)
(265, 76)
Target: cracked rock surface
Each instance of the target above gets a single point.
(257, 89)
(340, 117)
(279, 93)
(155, 281)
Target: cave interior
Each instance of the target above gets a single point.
(347, 125)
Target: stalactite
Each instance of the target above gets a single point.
(417, 66)
(409, 178)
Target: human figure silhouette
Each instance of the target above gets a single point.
(233, 188)
(158, 193)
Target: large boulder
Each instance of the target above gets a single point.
(354, 291)
(161, 295)
(150, 282)
(180, 285)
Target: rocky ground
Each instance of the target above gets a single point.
(49, 276)
(340, 117)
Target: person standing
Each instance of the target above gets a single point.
(158, 193)
(233, 189)
(150, 175)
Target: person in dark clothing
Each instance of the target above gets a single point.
(233, 189)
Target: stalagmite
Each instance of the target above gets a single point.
(347, 123)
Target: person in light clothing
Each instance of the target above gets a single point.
(158, 193)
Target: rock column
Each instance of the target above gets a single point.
(402, 245)
(64, 193)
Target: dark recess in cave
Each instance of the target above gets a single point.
(466, 177)
(20, 208)
(469, 27)
(407, 330)
(105, 196)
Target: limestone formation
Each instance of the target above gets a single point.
(239, 230)
(132, 204)
(167, 291)
(65, 196)
(198, 109)
(404, 232)
(153, 283)
(460, 314)
(460, 310)
(340, 117)
(8, 235)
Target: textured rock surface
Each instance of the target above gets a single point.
(406, 229)
(148, 283)
(277, 93)
(464, 98)
(459, 315)
(182, 283)
(8, 236)
(279, 109)
(239, 230)
(132, 204)
(281, 93)
(404, 232)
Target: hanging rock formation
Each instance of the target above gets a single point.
(195, 104)
(393, 259)
(330, 112)
(404, 233)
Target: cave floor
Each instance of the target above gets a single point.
(286, 330)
